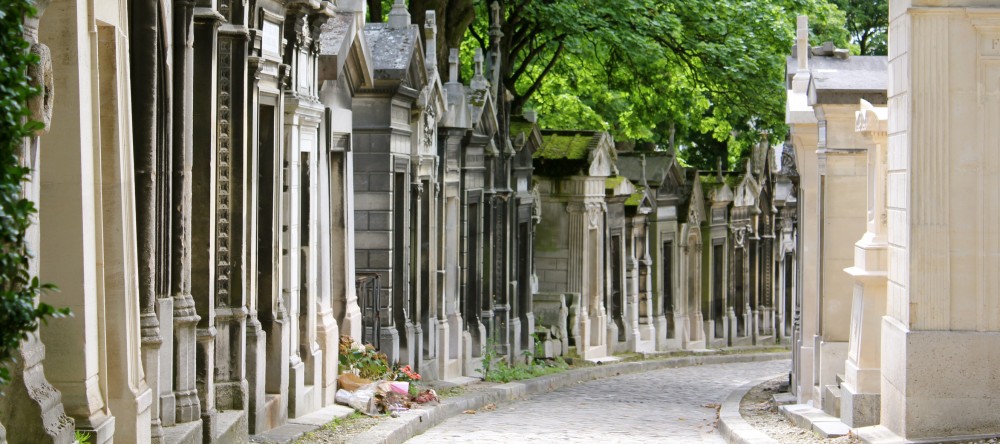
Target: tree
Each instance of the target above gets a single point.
(868, 24)
(453, 20)
(641, 67)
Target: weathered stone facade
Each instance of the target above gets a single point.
(920, 256)
(229, 187)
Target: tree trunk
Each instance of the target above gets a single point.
(453, 20)
(375, 11)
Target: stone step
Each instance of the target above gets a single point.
(813, 419)
(783, 398)
(840, 380)
(831, 400)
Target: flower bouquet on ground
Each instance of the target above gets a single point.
(370, 385)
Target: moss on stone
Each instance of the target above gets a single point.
(520, 127)
(613, 182)
(558, 146)
(635, 199)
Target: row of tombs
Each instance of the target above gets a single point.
(224, 190)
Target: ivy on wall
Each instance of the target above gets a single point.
(19, 314)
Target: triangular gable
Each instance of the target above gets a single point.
(696, 208)
(345, 51)
(602, 157)
(748, 191)
(619, 186)
(640, 201)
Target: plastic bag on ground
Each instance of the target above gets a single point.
(362, 399)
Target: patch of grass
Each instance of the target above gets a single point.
(82, 437)
(333, 425)
(505, 372)
(753, 350)
(451, 392)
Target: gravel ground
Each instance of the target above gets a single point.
(341, 431)
(760, 411)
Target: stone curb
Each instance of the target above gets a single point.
(732, 427)
(417, 421)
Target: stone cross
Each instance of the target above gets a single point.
(430, 37)
(720, 170)
(479, 62)
(453, 66)
(802, 42)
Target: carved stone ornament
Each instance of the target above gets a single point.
(740, 235)
(430, 124)
(594, 215)
(41, 78)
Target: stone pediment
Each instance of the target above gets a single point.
(619, 186)
(723, 194)
(344, 51)
(640, 200)
(748, 191)
(601, 163)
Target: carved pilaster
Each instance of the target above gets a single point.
(929, 244)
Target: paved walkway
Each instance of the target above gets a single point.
(671, 405)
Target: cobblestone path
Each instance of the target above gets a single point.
(671, 405)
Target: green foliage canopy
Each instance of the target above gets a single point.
(708, 72)
(868, 23)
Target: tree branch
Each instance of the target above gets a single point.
(519, 101)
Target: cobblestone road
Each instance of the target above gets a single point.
(671, 405)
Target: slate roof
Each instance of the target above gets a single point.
(333, 32)
(392, 49)
(657, 167)
(842, 81)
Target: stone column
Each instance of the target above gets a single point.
(145, 55)
(859, 402)
(577, 281)
(118, 290)
(302, 119)
(647, 327)
(329, 180)
(231, 292)
(416, 347)
(804, 134)
(184, 403)
(452, 337)
(205, 221)
(31, 407)
(256, 342)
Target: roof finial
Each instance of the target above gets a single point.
(495, 32)
(642, 161)
(478, 80)
(399, 16)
